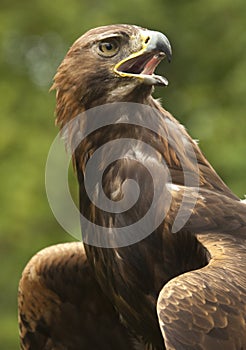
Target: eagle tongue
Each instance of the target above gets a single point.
(151, 65)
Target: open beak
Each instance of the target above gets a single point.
(142, 64)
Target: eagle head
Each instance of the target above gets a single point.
(109, 64)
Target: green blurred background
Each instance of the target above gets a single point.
(207, 93)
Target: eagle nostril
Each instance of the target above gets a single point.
(147, 40)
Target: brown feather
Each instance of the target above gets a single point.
(62, 307)
(199, 270)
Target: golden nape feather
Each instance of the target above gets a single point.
(178, 283)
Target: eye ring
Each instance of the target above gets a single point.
(108, 47)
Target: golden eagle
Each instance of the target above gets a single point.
(183, 290)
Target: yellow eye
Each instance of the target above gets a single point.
(108, 48)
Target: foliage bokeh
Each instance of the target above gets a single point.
(206, 93)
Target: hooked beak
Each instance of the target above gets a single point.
(142, 64)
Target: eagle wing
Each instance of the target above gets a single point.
(62, 307)
(205, 308)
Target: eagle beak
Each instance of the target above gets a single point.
(142, 64)
(157, 41)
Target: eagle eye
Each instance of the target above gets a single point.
(108, 48)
